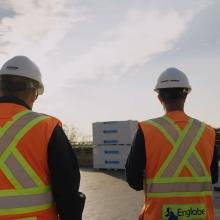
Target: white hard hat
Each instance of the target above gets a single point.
(172, 78)
(23, 66)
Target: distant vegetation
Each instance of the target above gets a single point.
(74, 134)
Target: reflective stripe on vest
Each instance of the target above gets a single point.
(179, 187)
(30, 193)
(29, 218)
(167, 181)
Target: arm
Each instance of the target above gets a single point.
(65, 175)
(214, 165)
(136, 162)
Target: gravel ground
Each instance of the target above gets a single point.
(110, 198)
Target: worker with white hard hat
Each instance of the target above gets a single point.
(23, 67)
(172, 78)
(39, 172)
(174, 157)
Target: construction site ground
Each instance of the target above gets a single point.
(110, 198)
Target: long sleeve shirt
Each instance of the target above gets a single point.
(63, 170)
(64, 175)
(136, 163)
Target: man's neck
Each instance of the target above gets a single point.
(14, 99)
(171, 108)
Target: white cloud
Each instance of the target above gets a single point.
(36, 27)
(134, 35)
(138, 37)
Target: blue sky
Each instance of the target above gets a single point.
(100, 59)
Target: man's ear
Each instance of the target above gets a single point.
(34, 95)
(160, 99)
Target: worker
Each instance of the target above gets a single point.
(39, 172)
(174, 158)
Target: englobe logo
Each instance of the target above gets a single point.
(170, 215)
(184, 212)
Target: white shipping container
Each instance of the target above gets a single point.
(110, 156)
(111, 151)
(115, 132)
(110, 164)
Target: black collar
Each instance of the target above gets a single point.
(15, 100)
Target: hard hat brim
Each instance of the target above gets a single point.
(158, 89)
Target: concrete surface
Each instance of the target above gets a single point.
(110, 198)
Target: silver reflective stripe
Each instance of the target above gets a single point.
(19, 173)
(16, 169)
(193, 161)
(182, 149)
(168, 127)
(196, 165)
(6, 139)
(178, 187)
(13, 202)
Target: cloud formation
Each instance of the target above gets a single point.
(36, 26)
(140, 35)
(115, 38)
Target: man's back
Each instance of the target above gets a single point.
(24, 170)
(37, 160)
(163, 137)
(179, 153)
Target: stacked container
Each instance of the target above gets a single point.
(112, 143)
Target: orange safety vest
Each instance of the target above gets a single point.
(25, 192)
(177, 182)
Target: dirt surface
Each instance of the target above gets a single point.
(110, 198)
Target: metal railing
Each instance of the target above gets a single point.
(82, 144)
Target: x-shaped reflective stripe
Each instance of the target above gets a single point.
(182, 142)
(9, 163)
(172, 131)
(19, 173)
(30, 193)
(167, 182)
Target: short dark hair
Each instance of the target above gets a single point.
(173, 93)
(11, 84)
